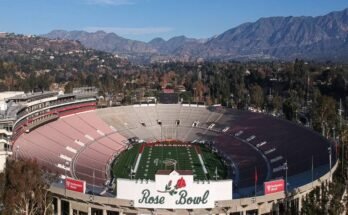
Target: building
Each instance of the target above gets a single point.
(22, 112)
(7, 117)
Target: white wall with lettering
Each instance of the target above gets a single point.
(174, 191)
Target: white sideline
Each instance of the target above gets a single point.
(137, 163)
(202, 163)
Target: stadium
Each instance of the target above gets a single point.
(167, 158)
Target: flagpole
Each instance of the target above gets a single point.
(216, 174)
(312, 170)
(255, 181)
(93, 182)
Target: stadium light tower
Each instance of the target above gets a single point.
(330, 153)
(286, 176)
(93, 185)
(340, 111)
(286, 183)
(66, 164)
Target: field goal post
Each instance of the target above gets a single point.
(170, 162)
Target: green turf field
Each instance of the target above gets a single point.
(154, 156)
(212, 162)
(125, 161)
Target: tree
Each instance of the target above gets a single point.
(256, 96)
(343, 135)
(68, 88)
(199, 91)
(25, 188)
(289, 109)
(277, 104)
(339, 86)
(324, 114)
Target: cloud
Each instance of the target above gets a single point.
(110, 2)
(131, 31)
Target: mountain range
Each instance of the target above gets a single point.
(284, 38)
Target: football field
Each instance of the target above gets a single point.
(143, 161)
(156, 156)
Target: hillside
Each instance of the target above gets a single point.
(29, 62)
(318, 38)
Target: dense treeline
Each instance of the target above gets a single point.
(24, 188)
(298, 90)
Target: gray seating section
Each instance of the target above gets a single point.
(243, 136)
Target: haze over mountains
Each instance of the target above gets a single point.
(316, 38)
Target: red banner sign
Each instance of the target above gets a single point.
(274, 186)
(75, 185)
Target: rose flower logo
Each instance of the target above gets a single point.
(181, 183)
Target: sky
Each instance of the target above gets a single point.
(147, 19)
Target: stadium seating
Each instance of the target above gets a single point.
(90, 140)
(264, 139)
(76, 145)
